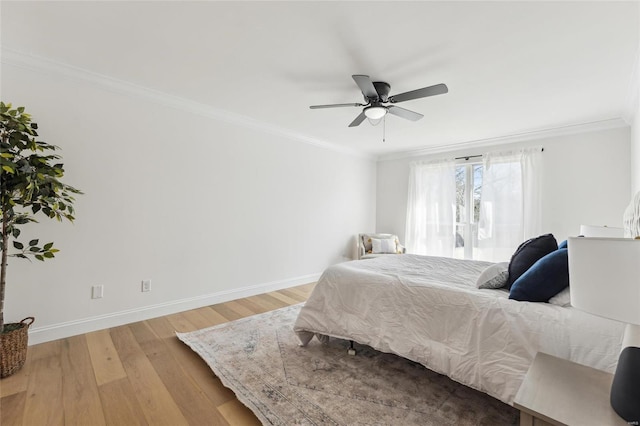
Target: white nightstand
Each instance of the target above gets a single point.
(560, 392)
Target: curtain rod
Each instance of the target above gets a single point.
(466, 157)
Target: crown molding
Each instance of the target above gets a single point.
(612, 123)
(44, 65)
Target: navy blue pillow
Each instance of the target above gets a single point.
(563, 244)
(529, 253)
(546, 278)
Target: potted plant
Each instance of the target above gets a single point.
(30, 185)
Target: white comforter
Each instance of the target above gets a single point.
(428, 310)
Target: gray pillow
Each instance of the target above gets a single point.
(562, 299)
(495, 276)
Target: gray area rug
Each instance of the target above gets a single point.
(284, 384)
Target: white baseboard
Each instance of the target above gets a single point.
(100, 322)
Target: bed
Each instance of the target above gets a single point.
(428, 309)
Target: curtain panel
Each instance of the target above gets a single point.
(510, 204)
(431, 208)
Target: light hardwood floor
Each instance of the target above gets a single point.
(134, 374)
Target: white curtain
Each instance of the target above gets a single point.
(431, 208)
(510, 204)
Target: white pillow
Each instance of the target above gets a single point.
(386, 245)
(562, 299)
(495, 276)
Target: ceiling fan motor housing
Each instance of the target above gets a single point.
(383, 90)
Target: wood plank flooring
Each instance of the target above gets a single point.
(135, 374)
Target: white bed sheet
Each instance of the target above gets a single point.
(427, 309)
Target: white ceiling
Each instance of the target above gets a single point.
(511, 67)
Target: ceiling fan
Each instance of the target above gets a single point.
(376, 96)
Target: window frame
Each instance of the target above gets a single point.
(468, 220)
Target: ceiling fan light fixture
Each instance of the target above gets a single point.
(375, 112)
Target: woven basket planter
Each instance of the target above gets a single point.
(13, 346)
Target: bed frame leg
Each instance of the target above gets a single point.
(351, 350)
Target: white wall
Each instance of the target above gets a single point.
(585, 181)
(632, 115)
(635, 151)
(206, 209)
(634, 118)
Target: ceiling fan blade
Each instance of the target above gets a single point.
(335, 106)
(438, 89)
(359, 119)
(366, 86)
(404, 113)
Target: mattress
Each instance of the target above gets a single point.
(428, 309)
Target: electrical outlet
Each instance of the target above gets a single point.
(97, 291)
(146, 286)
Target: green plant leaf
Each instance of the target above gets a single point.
(31, 171)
